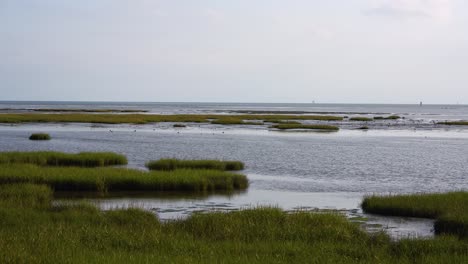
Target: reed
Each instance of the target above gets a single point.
(173, 164)
(39, 136)
(102, 180)
(49, 158)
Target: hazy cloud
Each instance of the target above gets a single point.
(440, 10)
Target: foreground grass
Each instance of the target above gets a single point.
(49, 158)
(302, 126)
(147, 118)
(173, 164)
(80, 233)
(450, 209)
(104, 179)
(39, 136)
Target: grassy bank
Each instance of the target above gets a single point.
(173, 164)
(392, 117)
(39, 136)
(449, 209)
(104, 179)
(301, 126)
(82, 234)
(454, 123)
(234, 121)
(49, 158)
(148, 118)
(360, 118)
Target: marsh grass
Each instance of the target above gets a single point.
(285, 122)
(454, 123)
(361, 118)
(449, 209)
(173, 164)
(392, 117)
(148, 118)
(25, 195)
(234, 121)
(257, 235)
(49, 158)
(76, 179)
(39, 136)
(302, 126)
(75, 110)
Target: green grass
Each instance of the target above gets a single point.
(49, 158)
(25, 195)
(301, 126)
(454, 123)
(361, 118)
(449, 209)
(173, 164)
(104, 179)
(148, 118)
(79, 233)
(39, 136)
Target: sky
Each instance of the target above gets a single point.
(291, 51)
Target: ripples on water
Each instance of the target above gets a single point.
(289, 170)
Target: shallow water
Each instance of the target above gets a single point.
(289, 170)
(292, 170)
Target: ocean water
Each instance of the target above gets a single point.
(293, 170)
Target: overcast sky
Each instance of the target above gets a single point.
(343, 51)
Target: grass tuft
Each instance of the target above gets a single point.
(450, 209)
(102, 180)
(173, 164)
(301, 126)
(39, 136)
(49, 158)
(392, 117)
(454, 123)
(361, 118)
